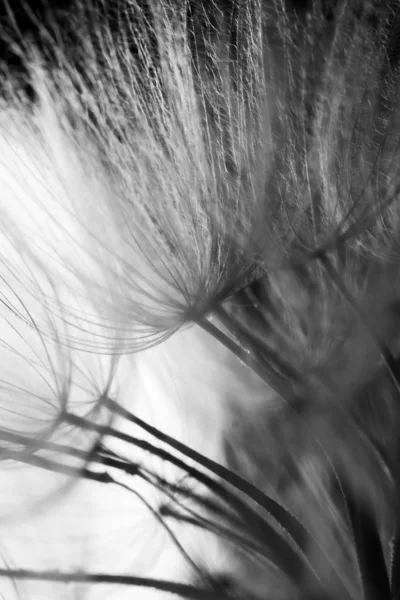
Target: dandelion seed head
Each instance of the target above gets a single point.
(172, 186)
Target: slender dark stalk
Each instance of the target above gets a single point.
(245, 544)
(158, 517)
(56, 467)
(395, 565)
(161, 585)
(371, 560)
(272, 362)
(395, 542)
(207, 504)
(271, 378)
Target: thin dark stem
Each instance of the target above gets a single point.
(273, 380)
(246, 340)
(211, 507)
(162, 585)
(92, 455)
(191, 517)
(51, 465)
(371, 561)
(395, 565)
(159, 518)
(256, 551)
(394, 573)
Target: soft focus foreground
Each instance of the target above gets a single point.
(94, 527)
(200, 300)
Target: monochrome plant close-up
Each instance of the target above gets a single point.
(200, 299)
